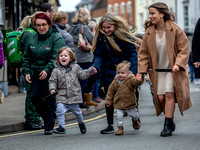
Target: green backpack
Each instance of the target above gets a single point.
(12, 46)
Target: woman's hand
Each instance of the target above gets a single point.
(139, 77)
(43, 75)
(175, 68)
(107, 105)
(28, 78)
(53, 91)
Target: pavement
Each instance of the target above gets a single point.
(12, 111)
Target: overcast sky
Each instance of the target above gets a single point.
(68, 5)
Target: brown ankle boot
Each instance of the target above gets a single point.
(136, 124)
(120, 130)
(88, 100)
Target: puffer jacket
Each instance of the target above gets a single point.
(69, 41)
(41, 51)
(82, 56)
(122, 94)
(66, 82)
(106, 57)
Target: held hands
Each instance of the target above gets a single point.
(137, 44)
(52, 91)
(43, 75)
(94, 71)
(139, 77)
(175, 68)
(196, 64)
(28, 78)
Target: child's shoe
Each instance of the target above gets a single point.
(120, 130)
(60, 130)
(82, 128)
(136, 124)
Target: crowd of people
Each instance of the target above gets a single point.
(54, 66)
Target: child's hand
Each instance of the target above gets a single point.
(139, 77)
(94, 71)
(52, 91)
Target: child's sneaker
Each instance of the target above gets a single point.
(136, 124)
(60, 130)
(82, 128)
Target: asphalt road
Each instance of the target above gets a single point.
(185, 137)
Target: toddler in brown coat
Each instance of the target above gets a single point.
(121, 93)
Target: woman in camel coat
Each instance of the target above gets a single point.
(165, 45)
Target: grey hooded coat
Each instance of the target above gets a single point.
(66, 82)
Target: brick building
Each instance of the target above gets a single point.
(124, 8)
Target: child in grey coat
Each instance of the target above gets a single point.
(65, 80)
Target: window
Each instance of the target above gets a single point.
(141, 22)
(185, 15)
(116, 9)
(122, 8)
(109, 9)
(1, 13)
(129, 10)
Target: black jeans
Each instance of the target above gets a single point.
(109, 110)
(46, 109)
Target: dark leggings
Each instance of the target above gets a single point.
(109, 110)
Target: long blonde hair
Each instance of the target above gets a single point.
(83, 16)
(121, 30)
(162, 8)
(28, 20)
(59, 16)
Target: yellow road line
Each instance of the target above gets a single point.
(68, 125)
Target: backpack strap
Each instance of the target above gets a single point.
(82, 28)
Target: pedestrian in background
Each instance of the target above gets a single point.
(65, 80)
(39, 55)
(164, 46)
(196, 51)
(60, 20)
(1, 63)
(32, 118)
(113, 43)
(191, 67)
(48, 9)
(121, 94)
(84, 58)
(93, 81)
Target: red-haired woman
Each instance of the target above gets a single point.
(38, 63)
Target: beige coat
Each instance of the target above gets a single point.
(178, 52)
(122, 95)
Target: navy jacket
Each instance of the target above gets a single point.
(106, 57)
